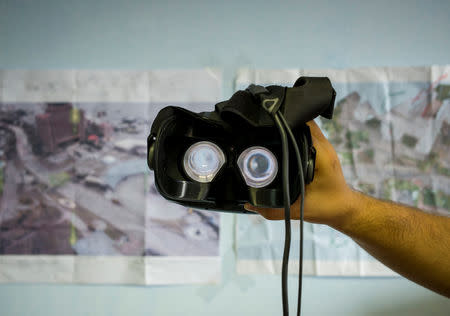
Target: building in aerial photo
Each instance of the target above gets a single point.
(61, 123)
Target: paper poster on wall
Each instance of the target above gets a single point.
(391, 130)
(77, 200)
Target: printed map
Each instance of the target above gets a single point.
(391, 130)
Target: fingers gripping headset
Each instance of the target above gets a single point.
(222, 159)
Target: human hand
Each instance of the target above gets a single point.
(328, 197)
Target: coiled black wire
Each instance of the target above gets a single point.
(287, 213)
(284, 130)
(302, 200)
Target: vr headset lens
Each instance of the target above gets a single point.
(258, 166)
(202, 161)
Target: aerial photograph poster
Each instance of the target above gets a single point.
(78, 203)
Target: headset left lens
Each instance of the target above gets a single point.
(202, 161)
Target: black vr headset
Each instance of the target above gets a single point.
(222, 159)
(239, 153)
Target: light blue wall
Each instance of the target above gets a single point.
(226, 34)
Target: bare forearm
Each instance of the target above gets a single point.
(411, 242)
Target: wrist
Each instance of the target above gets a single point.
(350, 206)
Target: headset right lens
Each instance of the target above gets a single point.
(258, 166)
